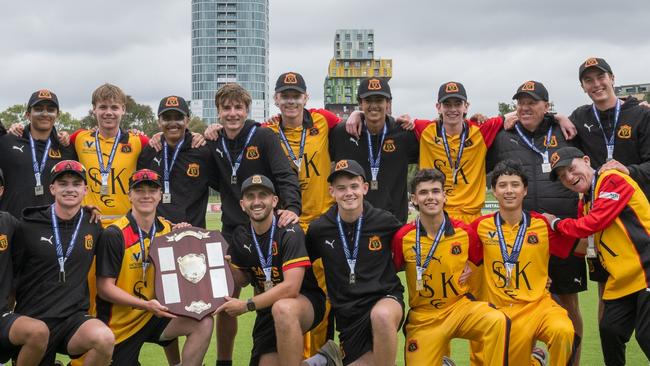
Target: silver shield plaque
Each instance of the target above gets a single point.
(192, 267)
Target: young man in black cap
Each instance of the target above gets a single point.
(614, 214)
(125, 281)
(55, 246)
(187, 172)
(384, 149)
(354, 241)
(531, 142)
(288, 300)
(21, 337)
(27, 159)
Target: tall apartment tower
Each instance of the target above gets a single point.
(230, 43)
(354, 60)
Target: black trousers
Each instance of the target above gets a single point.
(620, 318)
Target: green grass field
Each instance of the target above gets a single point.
(591, 352)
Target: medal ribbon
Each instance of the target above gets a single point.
(513, 257)
(105, 170)
(418, 247)
(38, 170)
(57, 238)
(461, 148)
(265, 262)
(297, 161)
(617, 113)
(143, 249)
(350, 257)
(237, 163)
(531, 143)
(167, 168)
(374, 162)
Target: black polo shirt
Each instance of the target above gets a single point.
(193, 173)
(8, 225)
(16, 163)
(400, 149)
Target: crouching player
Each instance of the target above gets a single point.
(288, 300)
(434, 251)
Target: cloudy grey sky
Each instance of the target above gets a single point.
(72, 46)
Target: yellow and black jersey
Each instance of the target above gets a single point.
(316, 163)
(530, 275)
(440, 279)
(119, 256)
(116, 203)
(465, 194)
(620, 221)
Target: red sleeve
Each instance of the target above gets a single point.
(73, 137)
(559, 245)
(420, 126)
(397, 246)
(475, 254)
(331, 118)
(144, 140)
(612, 197)
(490, 128)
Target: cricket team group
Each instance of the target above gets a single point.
(316, 214)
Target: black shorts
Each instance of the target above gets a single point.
(127, 352)
(568, 275)
(264, 340)
(597, 272)
(355, 331)
(7, 349)
(61, 331)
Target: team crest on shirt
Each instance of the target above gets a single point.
(532, 238)
(4, 242)
(252, 153)
(389, 146)
(455, 248)
(54, 153)
(552, 143)
(625, 132)
(193, 170)
(412, 345)
(126, 148)
(274, 250)
(88, 242)
(313, 131)
(374, 243)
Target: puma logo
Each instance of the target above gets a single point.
(588, 127)
(157, 160)
(291, 229)
(49, 240)
(578, 281)
(248, 247)
(356, 142)
(330, 243)
(514, 141)
(220, 152)
(18, 148)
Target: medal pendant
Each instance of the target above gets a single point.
(61, 276)
(546, 167)
(591, 247)
(610, 152)
(103, 190)
(38, 190)
(374, 185)
(268, 285)
(167, 198)
(419, 285)
(233, 179)
(353, 279)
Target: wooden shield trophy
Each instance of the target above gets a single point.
(192, 276)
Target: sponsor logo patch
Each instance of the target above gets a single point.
(609, 195)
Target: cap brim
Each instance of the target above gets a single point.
(371, 93)
(527, 93)
(290, 87)
(173, 109)
(44, 100)
(601, 68)
(155, 182)
(560, 164)
(79, 174)
(258, 185)
(347, 172)
(459, 96)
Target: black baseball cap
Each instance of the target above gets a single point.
(43, 95)
(562, 158)
(596, 62)
(67, 166)
(257, 180)
(173, 103)
(144, 175)
(349, 167)
(374, 86)
(534, 89)
(451, 89)
(291, 81)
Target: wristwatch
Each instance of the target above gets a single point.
(250, 305)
